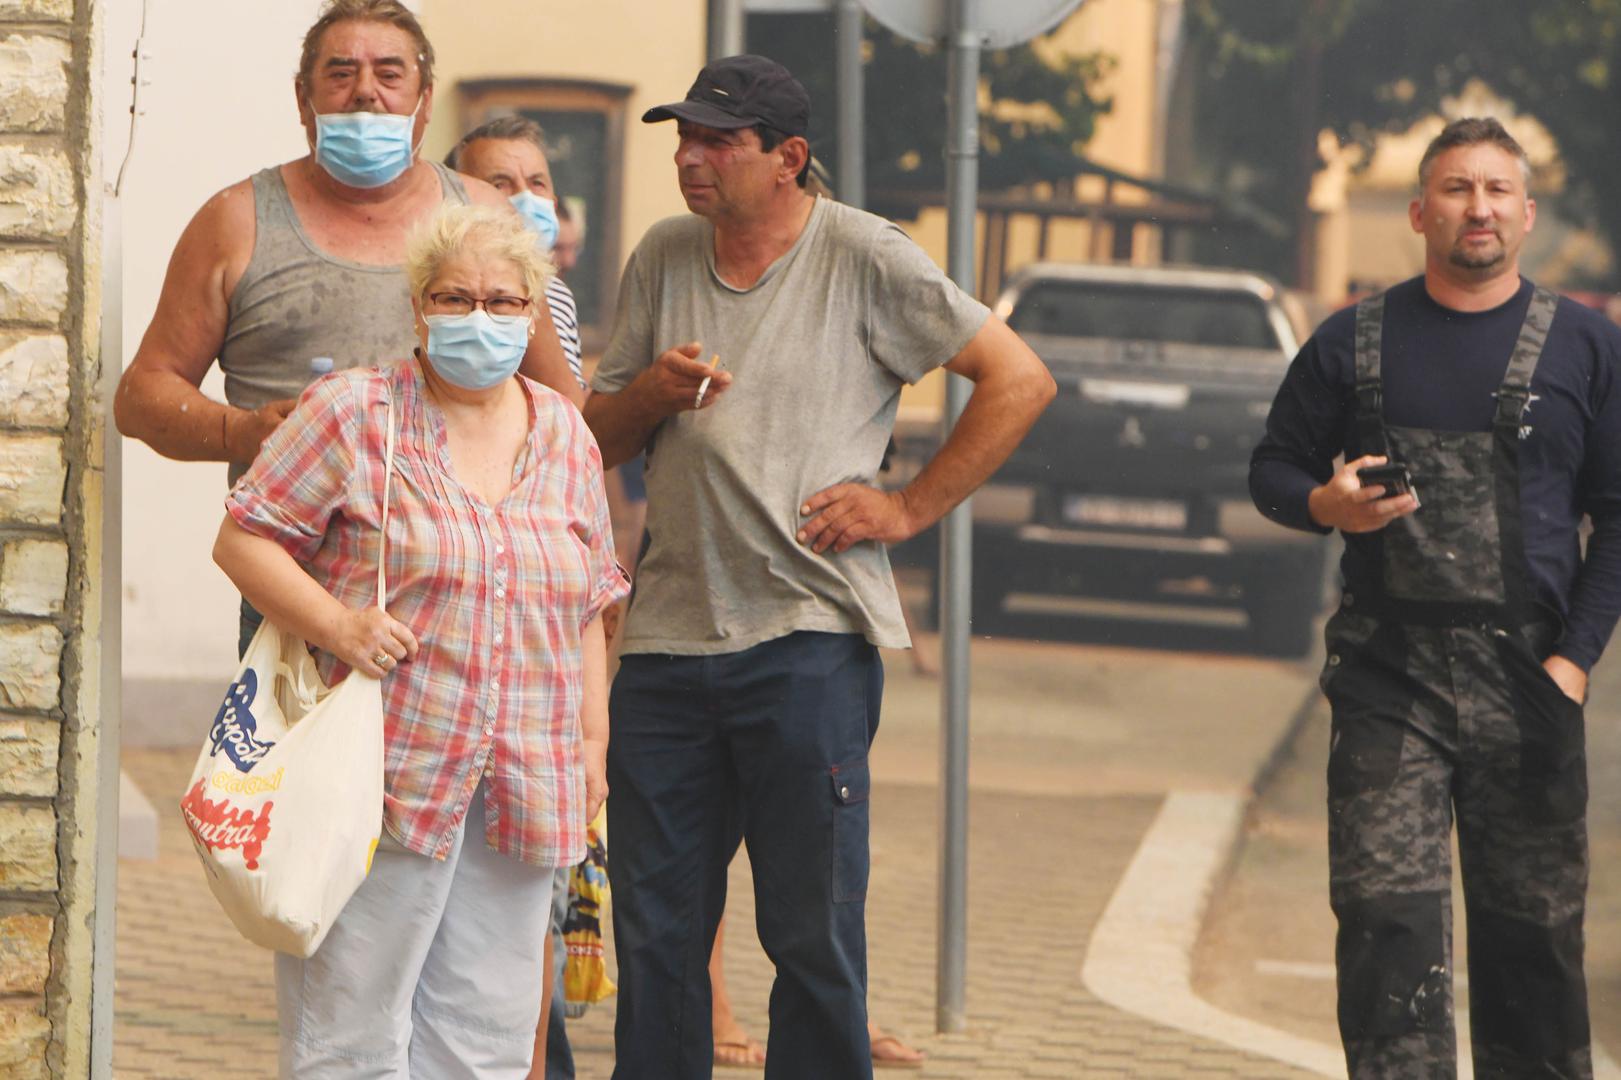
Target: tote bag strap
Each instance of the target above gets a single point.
(388, 477)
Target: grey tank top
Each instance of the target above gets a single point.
(296, 302)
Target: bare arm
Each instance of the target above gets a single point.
(273, 582)
(623, 421)
(1011, 388)
(594, 714)
(158, 399)
(545, 361)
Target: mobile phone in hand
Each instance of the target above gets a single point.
(1393, 476)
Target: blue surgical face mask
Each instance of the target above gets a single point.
(540, 214)
(365, 149)
(478, 350)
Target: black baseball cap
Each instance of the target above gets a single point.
(738, 92)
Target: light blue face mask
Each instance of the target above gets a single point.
(540, 214)
(365, 149)
(478, 350)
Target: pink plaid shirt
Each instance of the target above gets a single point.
(496, 596)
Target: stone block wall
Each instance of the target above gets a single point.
(50, 525)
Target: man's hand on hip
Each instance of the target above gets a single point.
(846, 514)
(671, 384)
(1571, 679)
(1344, 504)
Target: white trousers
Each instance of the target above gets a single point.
(432, 972)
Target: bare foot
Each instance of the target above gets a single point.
(733, 1047)
(735, 1050)
(889, 1052)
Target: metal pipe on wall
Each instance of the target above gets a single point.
(956, 542)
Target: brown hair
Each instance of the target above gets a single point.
(1472, 131)
(502, 127)
(771, 138)
(391, 12)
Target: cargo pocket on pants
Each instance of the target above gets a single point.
(1368, 703)
(1553, 743)
(1345, 635)
(852, 784)
(1365, 753)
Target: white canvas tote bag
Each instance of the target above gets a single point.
(285, 803)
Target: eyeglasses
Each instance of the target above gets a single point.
(454, 303)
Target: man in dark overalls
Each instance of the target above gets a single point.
(1457, 662)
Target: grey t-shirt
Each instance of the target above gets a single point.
(818, 349)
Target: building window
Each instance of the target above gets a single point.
(585, 139)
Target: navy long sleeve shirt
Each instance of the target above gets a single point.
(1440, 369)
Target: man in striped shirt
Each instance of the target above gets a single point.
(509, 153)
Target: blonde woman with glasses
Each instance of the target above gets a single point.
(499, 562)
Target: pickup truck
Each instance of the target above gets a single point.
(1133, 485)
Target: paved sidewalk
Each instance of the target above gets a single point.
(1075, 748)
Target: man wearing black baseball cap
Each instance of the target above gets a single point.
(742, 91)
(758, 355)
(732, 98)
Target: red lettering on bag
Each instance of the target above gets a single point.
(219, 825)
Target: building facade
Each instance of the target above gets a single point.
(51, 488)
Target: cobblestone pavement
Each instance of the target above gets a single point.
(194, 1000)
(1052, 720)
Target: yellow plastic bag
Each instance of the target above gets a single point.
(585, 973)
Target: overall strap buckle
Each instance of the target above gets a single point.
(1514, 395)
(1512, 401)
(1370, 398)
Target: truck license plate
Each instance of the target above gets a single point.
(1140, 394)
(1165, 515)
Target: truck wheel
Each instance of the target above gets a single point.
(1282, 612)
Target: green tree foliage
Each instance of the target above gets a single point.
(1560, 61)
(1040, 118)
(1270, 74)
(1041, 114)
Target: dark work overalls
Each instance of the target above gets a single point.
(1440, 702)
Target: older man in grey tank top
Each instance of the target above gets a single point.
(303, 260)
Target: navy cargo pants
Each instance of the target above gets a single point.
(1428, 721)
(781, 731)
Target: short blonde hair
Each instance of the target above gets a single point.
(482, 232)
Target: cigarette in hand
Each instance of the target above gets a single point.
(703, 387)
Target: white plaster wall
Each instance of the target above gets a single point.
(220, 107)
